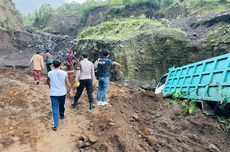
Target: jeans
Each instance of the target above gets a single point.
(57, 103)
(88, 84)
(48, 67)
(103, 83)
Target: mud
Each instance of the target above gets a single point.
(134, 121)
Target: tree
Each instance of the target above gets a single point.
(223, 1)
(126, 2)
(44, 11)
(166, 3)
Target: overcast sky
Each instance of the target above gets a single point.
(27, 6)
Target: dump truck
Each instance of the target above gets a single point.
(207, 80)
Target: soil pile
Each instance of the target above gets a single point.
(135, 120)
(141, 121)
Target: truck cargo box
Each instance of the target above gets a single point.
(207, 80)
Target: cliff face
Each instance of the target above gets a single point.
(144, 57)
(10, 19)
(147, 48)
(63, 24)
(12, 35)
(72, 25)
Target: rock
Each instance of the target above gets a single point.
(135, 116)
(92, 138)
(151, 140)
(110, 119)
(126, 84)
(111, 123)
(213, 148)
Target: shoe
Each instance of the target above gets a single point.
(91, 106)
(62, 117)
(103, 104)
(54, 128)
(73, 106)
(98, 103)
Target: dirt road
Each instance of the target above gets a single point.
(136, 121)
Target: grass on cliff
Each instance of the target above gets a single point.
(219, 36)
(208, 6)
(125, 28)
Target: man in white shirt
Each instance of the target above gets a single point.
(58, 82)
(86, 76)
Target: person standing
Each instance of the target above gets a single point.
(70, 58)
(58, 82)
(85, 76)
(48, 58)
(38, 66)
(103, 66)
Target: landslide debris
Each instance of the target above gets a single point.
(142, 121)
(134, 121)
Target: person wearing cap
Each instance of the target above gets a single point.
(36, 62)
(103, 66)
(48, 58)
(85, 76)
(58, 83)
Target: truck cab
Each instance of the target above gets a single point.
(160, 86)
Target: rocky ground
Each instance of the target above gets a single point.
(20, 57)
(136, 120)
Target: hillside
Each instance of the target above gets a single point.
(12, 34)
(92, 13)
(10, 18)
(18, 42)
(144, 47)
(147, 36)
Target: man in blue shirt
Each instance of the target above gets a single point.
(103, 66)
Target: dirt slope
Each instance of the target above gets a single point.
(135, 121)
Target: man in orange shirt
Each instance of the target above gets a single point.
(37, 64)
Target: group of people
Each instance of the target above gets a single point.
(42, 59)
(59, 82)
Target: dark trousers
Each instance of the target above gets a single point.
(88, 84)
(58, 108)
(48, 67)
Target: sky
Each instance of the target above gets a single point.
(28, 6)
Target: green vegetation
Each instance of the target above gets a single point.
(125, 28)
(78, 9)
(115, 6)
(208, 6)
(219, 38)
(3, 29)
(81, 9)
(225, 124)
(189, 106)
